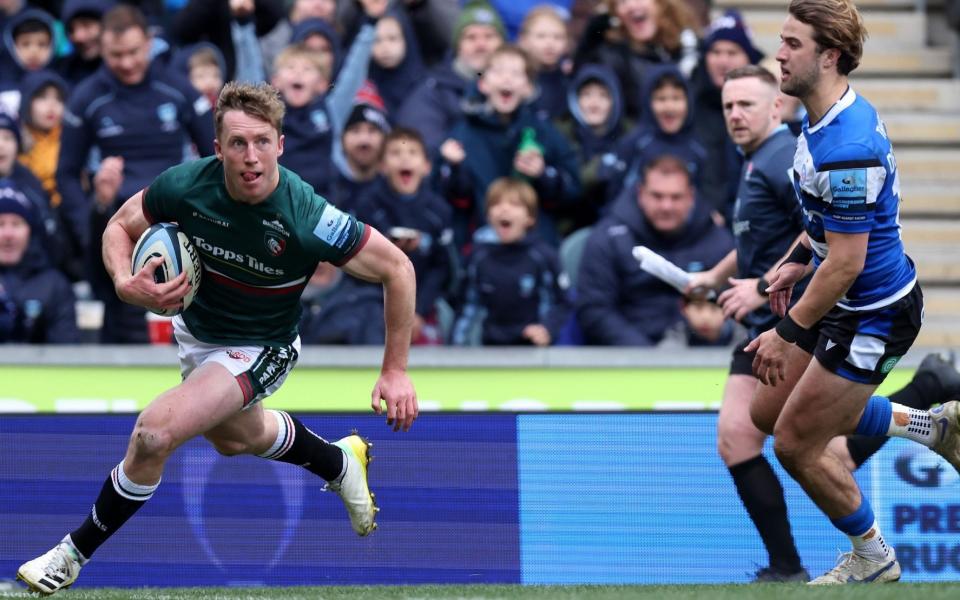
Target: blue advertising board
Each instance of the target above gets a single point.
(466, 498)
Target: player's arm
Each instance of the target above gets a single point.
(381, 261)
(715, 277)
(834, 276)
(122, 231)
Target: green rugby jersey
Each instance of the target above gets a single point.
(256, 258)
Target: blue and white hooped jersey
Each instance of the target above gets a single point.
(846, 180)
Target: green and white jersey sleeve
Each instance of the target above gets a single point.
(256, 258)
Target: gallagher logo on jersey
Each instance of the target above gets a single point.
(275, 243)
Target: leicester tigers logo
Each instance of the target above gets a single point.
(275, 243)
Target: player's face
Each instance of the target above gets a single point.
(477, 43)
(84, 34)
(669, 106)
(8, 152)
(666, 200)
(723, 57)
(390, 48)
(505, 83)
(46, 109)
(750, 110)
(14, 237)
(799, 59)
(510, 218)
(33, 49)
(249, 149)
(639, 18)
(546, 41)
(362, 144)
(127, 54)
(405, 165)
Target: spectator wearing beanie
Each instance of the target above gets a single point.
(36, 300)
(81, 20)
(362, 147)
(727, 46)
(48, 240)
(434, 106)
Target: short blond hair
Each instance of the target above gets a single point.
(836, 24)
(261, 101)
(300, 51)
(502, 187)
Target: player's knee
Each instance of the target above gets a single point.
(791, 454)
(151, 441)
(762, 420)
(227, 447)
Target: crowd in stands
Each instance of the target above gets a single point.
(516, 150)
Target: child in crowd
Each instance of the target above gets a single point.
(543, 35)
(397, 67)
(28, 36)
(514, 292)
(315, 119)
(417, 220)
(499, 135)
(665, 128)
(595, 125)
(43, 94)
(206, 69)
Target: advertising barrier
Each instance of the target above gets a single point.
(465, 497)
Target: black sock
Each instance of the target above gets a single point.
(119, 499)
(762, 495)
(298, 445)
(922, 391)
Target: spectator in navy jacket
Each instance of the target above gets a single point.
(402, 206)
(397, 68)
(434, 106)
(666, 127)
(515, 294)
(28, 39)
(499, 136)
(140, 118)
(81, 19)
(594, 128)
(543, 35)
(36, 300)
(618, 304)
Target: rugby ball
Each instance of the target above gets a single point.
(165, 240)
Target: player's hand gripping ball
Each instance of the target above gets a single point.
(165, 240)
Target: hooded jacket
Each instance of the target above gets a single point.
(490, 144)
(648, 141)
(618, 304)
(395, 85)
(510, 286)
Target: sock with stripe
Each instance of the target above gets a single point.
(882, 417)
(297, 445)
(922, 390)
(862, 529)
(119, 499)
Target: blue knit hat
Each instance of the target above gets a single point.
(9, 122)
(13, 201)
(730, 27)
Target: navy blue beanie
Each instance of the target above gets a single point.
(13, 201)
(730, 27)
(8, 121)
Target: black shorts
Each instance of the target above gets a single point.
(742, 362)
(864, 346)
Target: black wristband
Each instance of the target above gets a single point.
(800, 254)
(788, 329)
(762, 285)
